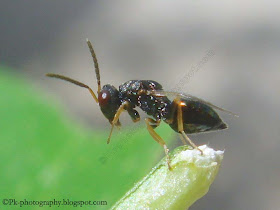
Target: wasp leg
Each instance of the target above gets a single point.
(183, 140)
(134, 115)
(116, 121)
(157, 138)
(181, 126)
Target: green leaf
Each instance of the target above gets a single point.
(190, 179)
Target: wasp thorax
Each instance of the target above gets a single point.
(109, 101)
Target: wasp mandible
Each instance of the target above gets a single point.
(185, 114)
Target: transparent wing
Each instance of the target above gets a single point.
(188, 96)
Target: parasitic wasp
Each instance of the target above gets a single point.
(186, 114)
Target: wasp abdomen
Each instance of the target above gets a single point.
(197, 117)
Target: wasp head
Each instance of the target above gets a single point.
(109, 101)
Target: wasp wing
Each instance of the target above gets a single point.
(189, 96)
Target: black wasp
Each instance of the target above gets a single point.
(185, 114)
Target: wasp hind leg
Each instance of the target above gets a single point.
(181, 127)
(151, 124)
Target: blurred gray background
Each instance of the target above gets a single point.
(167, 41)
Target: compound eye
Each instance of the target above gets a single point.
(104, 98)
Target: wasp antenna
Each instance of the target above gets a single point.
(73, 82)
(95, 65)
(67, 79)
